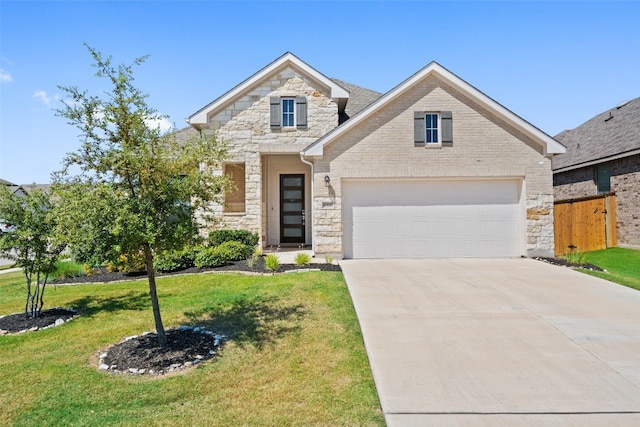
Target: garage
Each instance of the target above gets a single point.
(432, 218)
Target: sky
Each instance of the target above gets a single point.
(556, 64)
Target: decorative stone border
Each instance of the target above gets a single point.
(176, 367)
(58, 322)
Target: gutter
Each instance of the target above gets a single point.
(313, 236)
(597, 161)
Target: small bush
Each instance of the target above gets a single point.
(128, 263)
(89, 270)
(272, 262)
(211, 257)
(328, 259)
(257, 252)
(302, 258)
(246, 237)
(577, 257)
(235, 251)
(177, 260)
(67, 269)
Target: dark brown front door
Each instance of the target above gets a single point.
(292, 208)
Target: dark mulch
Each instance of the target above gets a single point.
(103, 276)
(564, 263)
(19, 322)
(143, 354)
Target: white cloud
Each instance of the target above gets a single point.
(5, 77)
(44, 98)
(159, 123)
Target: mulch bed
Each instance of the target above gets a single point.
(564, 263)
(142, 355)
(19, 322)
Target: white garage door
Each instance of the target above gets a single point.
(396, 219)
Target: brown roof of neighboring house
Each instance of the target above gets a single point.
(611, 133)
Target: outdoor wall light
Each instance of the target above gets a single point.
(327, 180)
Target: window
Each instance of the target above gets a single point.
(433, 129)
(288, 112)
(234, 199)
(603, 178)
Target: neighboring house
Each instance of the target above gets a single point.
(603, 156)
(13, 188)
(433, 168)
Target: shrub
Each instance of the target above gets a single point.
(246, 237)
(272, 262)
(235, 251)
(328, 259)
(302, 258)
(211, 257)
(177, 259)
(577, 258)
(128, 263)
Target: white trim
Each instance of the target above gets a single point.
(550, 145)
(597, 161)
(294, 125)
(337, 91)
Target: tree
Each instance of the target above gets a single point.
(31, 243)
(135, 191)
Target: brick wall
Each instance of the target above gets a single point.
(484, 146)
(625, 182)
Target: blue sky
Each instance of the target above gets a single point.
(556, 64)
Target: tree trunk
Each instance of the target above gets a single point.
(151, 275)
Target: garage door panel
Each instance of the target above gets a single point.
(431, 219)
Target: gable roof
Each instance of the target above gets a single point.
(612, 134)
(337, 92)
(550, 146)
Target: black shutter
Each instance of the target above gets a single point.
(446, 120)
(418, 128)
(301, 112)
(275, 112)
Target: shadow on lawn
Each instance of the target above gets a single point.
(89, 306)
(257, 322)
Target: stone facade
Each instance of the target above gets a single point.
(245, 125)
(625, 183)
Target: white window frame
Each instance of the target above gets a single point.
(288, 114)
(427, 130)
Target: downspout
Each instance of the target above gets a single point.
(313, 237)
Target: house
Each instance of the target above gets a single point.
(603, 156)
(433, 168)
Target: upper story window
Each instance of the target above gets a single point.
(431, 126)
(288, 112)
(433, 129)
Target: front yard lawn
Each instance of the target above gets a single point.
(622, 265)
(295, 357)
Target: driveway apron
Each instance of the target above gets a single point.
(497, 342)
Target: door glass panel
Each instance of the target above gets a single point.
(292, 207)
(292, 182)
(292, 194)
(292, 219)
(292, 232)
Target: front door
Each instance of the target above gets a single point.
(292, 213)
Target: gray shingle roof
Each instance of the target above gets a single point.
(612, 132)
(359, 98)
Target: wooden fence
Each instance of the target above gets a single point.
(585, 224)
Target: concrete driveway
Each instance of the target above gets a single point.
(498, 342)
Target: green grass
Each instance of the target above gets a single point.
(622, 265)
(296, 357)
